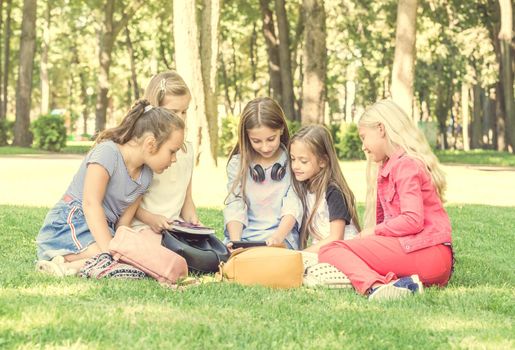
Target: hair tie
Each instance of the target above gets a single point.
(162, 85)
(147, 108)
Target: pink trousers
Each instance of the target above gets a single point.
(379, 259)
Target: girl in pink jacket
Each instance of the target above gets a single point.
(409, 242)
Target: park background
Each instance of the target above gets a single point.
(70, 68)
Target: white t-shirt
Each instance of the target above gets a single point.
(167, 191)
(332, 207)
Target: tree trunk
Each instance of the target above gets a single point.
(442, 111)
(500, 127)
(403, 71)
(43, 69)
(7, 60)
(106, 41)
(315, 54)
(237, 98)
(22, 136)
(132, 60)
(108, 34)
(466, 116)
(476, 120)
(350, 98)
(208, 58)
(298, 39)
(229, 108)
(505, 37)
(1, 73)
(485, 125)
(85, 102)
(253, 59)
(188, 63)
(272, 45)
(285, 61)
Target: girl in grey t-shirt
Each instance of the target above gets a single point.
(107, 189)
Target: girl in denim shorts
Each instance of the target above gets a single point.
(106, 191)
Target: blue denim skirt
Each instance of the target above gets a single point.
(64, 231)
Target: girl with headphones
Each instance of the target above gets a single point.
(261, 204)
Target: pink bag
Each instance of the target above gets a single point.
(143, 250)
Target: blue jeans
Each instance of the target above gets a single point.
(64, 231)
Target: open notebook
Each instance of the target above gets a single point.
(181, 226)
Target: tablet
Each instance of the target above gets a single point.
(247, 244)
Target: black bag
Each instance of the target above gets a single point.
(203, 252)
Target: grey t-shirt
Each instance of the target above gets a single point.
(121, 189)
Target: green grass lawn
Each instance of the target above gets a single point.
(72, 147)
(477, 157)
(476, 310)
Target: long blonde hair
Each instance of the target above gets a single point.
(400, 132)
(163, 84)
(261, 111)
(319, 141)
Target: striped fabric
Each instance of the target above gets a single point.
(104, 266)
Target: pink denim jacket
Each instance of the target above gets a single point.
(408, 206)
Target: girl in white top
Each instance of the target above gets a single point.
(169, 195)
(328, 203)
(261, 204)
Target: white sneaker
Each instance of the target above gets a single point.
(397, 289)
(309, 259)
(55, 267)
(325, 275)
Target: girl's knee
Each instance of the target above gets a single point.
(330, 248)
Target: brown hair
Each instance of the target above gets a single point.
(163, 84)
(261, 111)
(141, 120)
(319, 141)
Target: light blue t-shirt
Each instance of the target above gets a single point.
(267, 202)
(121, 189)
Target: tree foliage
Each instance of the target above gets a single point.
(457, 51)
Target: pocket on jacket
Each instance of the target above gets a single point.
(389, 193)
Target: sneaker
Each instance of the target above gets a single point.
(397, 289)
(309, 259)
(95, 265)
(325, 275)
(103, 265)
(122, 271)
(55, 267)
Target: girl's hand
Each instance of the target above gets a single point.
(158, 223)
(274, 242)
(369, 231)
(191, 218)
(229, 247)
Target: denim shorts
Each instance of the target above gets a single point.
(64, 231)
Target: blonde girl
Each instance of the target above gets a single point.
(261, 204)
(409, 244)
(106, 191)
(169, 196)
(328, 203)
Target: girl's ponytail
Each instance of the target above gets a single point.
(124, 132)
(142, 118)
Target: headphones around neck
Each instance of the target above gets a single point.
(257, 173)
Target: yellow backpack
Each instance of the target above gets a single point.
(265, 266)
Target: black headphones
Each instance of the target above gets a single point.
(257, 173)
